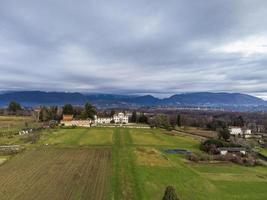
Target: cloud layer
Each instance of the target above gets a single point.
(134, 47)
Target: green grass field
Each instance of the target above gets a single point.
(141, 170)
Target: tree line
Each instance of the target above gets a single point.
(54, 113)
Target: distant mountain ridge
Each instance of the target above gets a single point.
(208, 98)
(35, 98)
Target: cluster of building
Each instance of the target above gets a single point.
(247, 133)
(119, 118)
(239, 131)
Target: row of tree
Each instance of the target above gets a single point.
(54, 113)
(138, 118)
(168, 122)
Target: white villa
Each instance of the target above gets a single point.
(239, 131)
(119, 118)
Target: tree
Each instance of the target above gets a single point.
(14, 106)
(54, 112)
(170, 194)
(45, 114)
(142, 119)
(90, 111)
(134, 117)
(239, 121)
(172, 121)
(161, 121)
(179, 123)
(68, 109)
(224, 133)
(112, 113)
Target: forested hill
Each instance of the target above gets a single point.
(34, 98)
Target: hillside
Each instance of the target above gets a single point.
(207, 98)
(33, 98)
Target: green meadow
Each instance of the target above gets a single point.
(140, 168)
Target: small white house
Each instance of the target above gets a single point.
(235, 130)
(247, 133)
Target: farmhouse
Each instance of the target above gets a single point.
(81, 123)
(226, 150)
(68, 121)
(67, 118)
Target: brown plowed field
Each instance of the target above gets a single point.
(56, 174)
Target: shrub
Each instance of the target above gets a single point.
(170, 194)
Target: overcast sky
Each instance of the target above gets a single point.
(134, 47)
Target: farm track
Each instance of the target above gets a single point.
(56, 174)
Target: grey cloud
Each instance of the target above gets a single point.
(130, 46)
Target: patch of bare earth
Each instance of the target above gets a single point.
(56, 174)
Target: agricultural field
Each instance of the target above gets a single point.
(56, 174)
(199, 132)
(122, 163)
(11, 125)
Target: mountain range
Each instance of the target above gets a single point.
(208, 99)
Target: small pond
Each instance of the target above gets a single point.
(178, 151)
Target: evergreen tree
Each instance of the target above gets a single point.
(179, 120)
(68, 109)
(142, 119)
(134, 117)
(170, 194)
(90, 111)
(112, 113)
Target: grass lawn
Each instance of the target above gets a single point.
(149, 170)
(140, 169)
(263, 152)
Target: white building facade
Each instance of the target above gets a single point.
(103, 120)
(238, 131)
(235, 130)
(119, 118)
